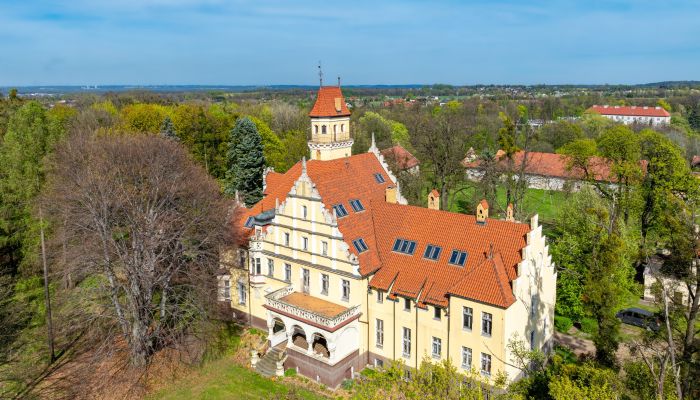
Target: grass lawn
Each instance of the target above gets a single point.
(546, 203)
(225, 379)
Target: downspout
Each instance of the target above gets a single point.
(393, 326)
(368, 336)
(250, 292)
(416, 307)
(448, 314)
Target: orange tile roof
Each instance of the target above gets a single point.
(494, 248)
(630, 110)
(435, 193)
(325, 105)
(313, 304)
(400, 156)
(553, 165)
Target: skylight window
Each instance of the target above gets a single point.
(432, 252)
(404, 246)
(356, 205)
(379, 177)
(340, 210)
(458, 258)
(249, 222)
(360, 245)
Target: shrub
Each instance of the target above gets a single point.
(290, 372)
(589, 325)
(347, 384)
(562, 324)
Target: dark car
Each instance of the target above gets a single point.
(638, 317)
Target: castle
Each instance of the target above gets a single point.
(342, 274)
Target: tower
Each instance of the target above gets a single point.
(330, 125)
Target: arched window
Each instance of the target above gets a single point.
(323, 129)
(316, 127)
(334, 128)
(342, 127)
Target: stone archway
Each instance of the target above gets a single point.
(277, 326)
(299, 337)
(320, 345)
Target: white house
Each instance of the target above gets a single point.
(633, 114)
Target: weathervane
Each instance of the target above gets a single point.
(320, 74)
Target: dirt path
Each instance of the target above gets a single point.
(577, 345)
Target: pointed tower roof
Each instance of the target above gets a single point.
(329, 103)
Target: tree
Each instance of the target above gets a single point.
(167, 130)
(144, 118)
(559, 133)
(246, 162)
(12, 95)
(273, 150)
(144, 225)
(585, 382)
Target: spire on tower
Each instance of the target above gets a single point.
(338, 80)
(320, 74)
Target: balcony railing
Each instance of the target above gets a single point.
(274, 300)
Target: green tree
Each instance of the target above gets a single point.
(273, 149)
(246, 162)
(167, 130)
(559, 133)
(295, 144)
(585, 382)
(146, 118)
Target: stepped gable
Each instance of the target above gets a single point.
(430, 281)
(329, 103)
(337, 181)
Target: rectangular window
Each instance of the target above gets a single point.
(287, 272)
(406, 343)
(532, 340)
(324, 284)
(305, 280)
(360, 245)
(249, 222)
(466, 357)
(286, 238)
(241, 293)
(305, 243)
(404, 246)
(486, 323)
(437, 313)
(380, 333)
(340, 210)
(270, 267)
(486, 363)
(432, 252)
(380, 297)
(467, 317)
(226, 292)
(533, 305)
(324, 248)
(407, 304)
(379, 178)
(346, 290)
(257, 269)
(437, 347)
(356, 205)
(458, 258)
(304, 212)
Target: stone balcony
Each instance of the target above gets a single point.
(309, 309)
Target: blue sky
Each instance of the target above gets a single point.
(81, 42)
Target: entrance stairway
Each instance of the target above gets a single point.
(267, 366)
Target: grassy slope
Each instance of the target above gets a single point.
(537, 201)
(225, 379)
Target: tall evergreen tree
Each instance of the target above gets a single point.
(246, 162)
(167, 130)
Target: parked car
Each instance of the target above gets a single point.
(638, 317)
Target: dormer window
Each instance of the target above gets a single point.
(356, 205)
(432, 252)
(249, 222)
(379, 178)
(360, 245)
(340, 210)
(404, 246)
(458, 258)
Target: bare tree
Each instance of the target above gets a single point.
(144, 224)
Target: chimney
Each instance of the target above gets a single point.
(509, 213)
(434, 200)
(482, 212)
(391, 194)
(338, 107)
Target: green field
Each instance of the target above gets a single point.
(537, 201)
(225, 379)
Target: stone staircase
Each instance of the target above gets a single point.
(267, 365)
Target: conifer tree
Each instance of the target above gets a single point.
(245, 161)
(167, 130)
